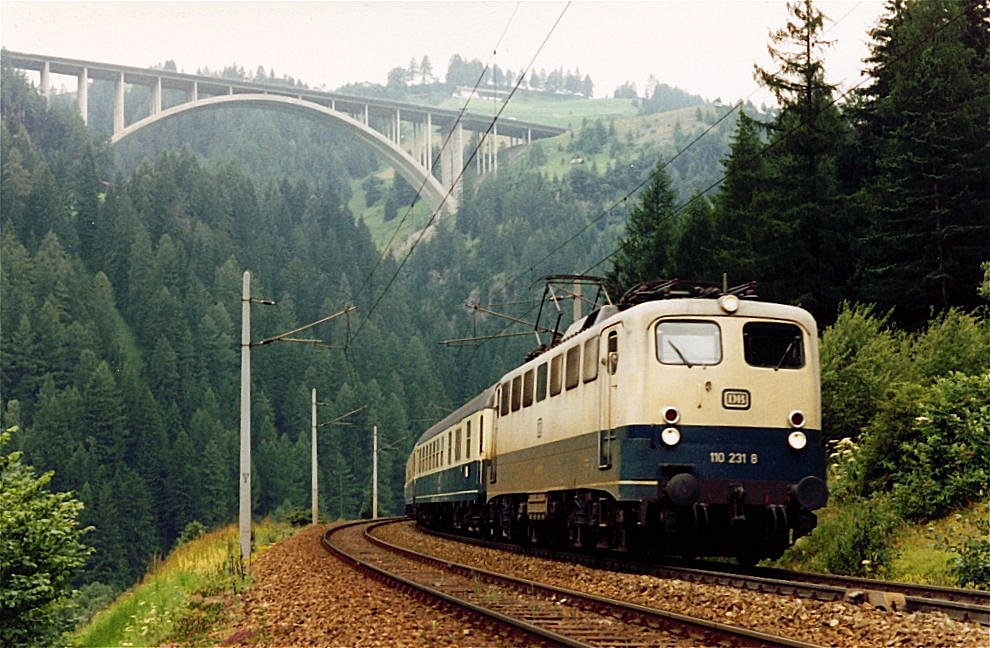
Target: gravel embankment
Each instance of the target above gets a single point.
(830, 624)
(303, 596)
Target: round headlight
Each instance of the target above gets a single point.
(797, 440)
(797, 419)
(729, 303)
(670, 436)
(671, 415)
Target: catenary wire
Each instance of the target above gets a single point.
(437, 157)
(460, 175)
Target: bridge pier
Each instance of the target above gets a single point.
(118, 104)
(156, 96)
(452, 162)
(82, 94)
(429, 142)
(46, 87)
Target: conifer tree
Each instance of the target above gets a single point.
(644, 253)
(800, 162)
(926, 117)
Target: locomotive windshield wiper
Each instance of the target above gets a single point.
(679, 354)
(780, 363)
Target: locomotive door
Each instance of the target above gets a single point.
(609, 345)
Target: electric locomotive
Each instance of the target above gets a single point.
(683, 420)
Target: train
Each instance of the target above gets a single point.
(683, 420)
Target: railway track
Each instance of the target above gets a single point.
(538, 612)
(960, 604)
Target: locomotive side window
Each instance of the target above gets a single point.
(528, 388)
(467, 441)
(450, 448)
(541, 382)
(689, 343)
(555, 375)
(516, 393)
(773, 344)
(505, 400)
(573, 367)
(591, 359)
(457, 445)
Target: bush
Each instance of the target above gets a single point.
(291, 514)
(851, 540)
(41, 551)
(971, 566)
(844, 469)
(945, 463)
(881, 458)
(860, 359)
(956, 341)
(191, 531)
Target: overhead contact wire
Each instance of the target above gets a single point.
(460, 175)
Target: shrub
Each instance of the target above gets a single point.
(851, 540)
(971, 566)
(191, 531)
(945, 463)
(41, 550)
(844, 469)
(289, 513)
(860, 359)
(889, 429)
(956, 341)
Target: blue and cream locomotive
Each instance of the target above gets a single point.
(684, 420)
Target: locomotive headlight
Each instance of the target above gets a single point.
(797, 440)
(797, 419)
(729, 303)
(670, 436)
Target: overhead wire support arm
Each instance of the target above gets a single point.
(482, 338)
(482, 309)
(287, 336)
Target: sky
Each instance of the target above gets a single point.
(706, 47)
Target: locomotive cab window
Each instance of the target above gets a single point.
(689, 343)
(773, 344)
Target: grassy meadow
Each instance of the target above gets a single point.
(180, 597)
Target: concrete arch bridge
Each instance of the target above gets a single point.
(407, 136)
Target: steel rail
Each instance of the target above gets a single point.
(960, 604)
(556, 615)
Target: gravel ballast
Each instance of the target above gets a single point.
(303, 596)
(825, 623)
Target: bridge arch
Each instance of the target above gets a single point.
(433, 190)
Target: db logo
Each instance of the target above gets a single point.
(735, 399)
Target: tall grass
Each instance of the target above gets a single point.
(154, 610)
